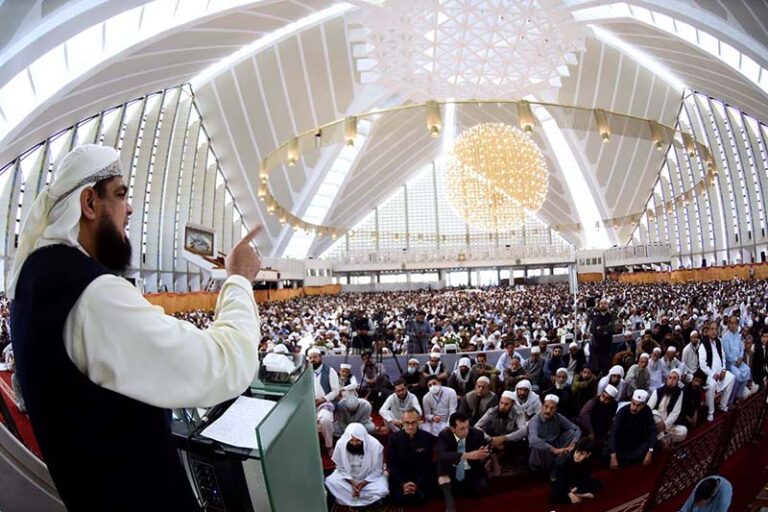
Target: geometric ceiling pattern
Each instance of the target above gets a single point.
(465, 49)
(319, 71)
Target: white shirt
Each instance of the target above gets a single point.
(121, 342)
(333, 379)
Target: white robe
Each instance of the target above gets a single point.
(123, 343)
(442, 405)
(354, 469)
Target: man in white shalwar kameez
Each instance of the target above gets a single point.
(326, 390)
(439, 403)
(359, 478)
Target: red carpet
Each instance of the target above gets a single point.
(19, 418)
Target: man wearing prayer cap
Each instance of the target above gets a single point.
(615, 378)
(633, 433)
(476, 402)
(529, 403)
(414, 378)
(597, 415)
(505, 428)
(534, 368)
(550, 436)
(352, 409)
(666, 403)
(327, 389)
(396, 404)
(670, 360)
(690, 356)
(86, 333)
(359, 479)
(563, 391)
(347, 381)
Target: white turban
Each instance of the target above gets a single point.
(434, 355)
(280, 349)
(345, 366)
(563, 370)
(484, 379)
(671, 348)
(525, 383)
(573, 345)
(552, 398)
(616, 370)
(535, 350)
(465, 361)
(413, 360)
(640, 395)
(55, 214)
(611, 390)
(657, 350)
(314, 352)
(694, 333)
(644, 355)
(508, 394)
(677, 371)
(372, 449)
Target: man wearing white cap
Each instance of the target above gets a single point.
(597, 415)
(359, 479)
(352, 409)
(435, 367)
(477, 401)
(615, 378)
(461, 379)
(666, 403)
(670, 360)
(639, 376)
(534, 368)
(326, 390)
(396, 404)
(89, 335)
(505, 428)
(550, 436)
(347, 381)
(690, 356)
(712, 362)
(657, 369)
(414, 379)
(633, 434)
(529, 403)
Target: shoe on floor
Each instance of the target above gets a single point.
(710, 417)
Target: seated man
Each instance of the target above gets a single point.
(461, 379)
(712, 361)
(534, 368)
(439, 403)
(505, 429)
(359, 479)
(326, 391)
(639, 376)
(657, 369)
(572, 481)
(712, 494)
(514, 373)
(666, 403)
(691, 356)
(550, 436)
(476, 402)
(435, 368)
(505, 360)
(410, 460)
(633, 433)
(396, 404)
(461, 450)
(615, 378)
(347, 381)
(481, 368)
(563, 391)
(414, 379)
(597, 416)
(733, 348)
(352, 409)
(529, 403)
(583, 387)
(693, 400)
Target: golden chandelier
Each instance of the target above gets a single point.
(495, 176)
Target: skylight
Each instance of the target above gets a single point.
(692, 35)
(592, 225)
(326, 192)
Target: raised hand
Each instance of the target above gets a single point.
(243, 259)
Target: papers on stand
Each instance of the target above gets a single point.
(237, 426)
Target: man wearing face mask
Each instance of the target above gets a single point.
(439, 403)
(414, 379)
(326, 390)
(352, 409)
(396, 404)
(359, 479)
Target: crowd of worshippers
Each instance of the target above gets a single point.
(469, 320)
(448, 430)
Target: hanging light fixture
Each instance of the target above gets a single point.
(602, 125)
(350, 130)
(495, 176)
(434, 122)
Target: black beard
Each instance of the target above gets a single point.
(113, 249)
(502, 415)
(316, 365)
(356, 450)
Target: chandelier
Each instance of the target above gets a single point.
(495, 176)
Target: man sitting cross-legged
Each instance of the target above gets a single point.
(505, 429)
(461, 450)
(410, 459)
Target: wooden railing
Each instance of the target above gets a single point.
(724, 273)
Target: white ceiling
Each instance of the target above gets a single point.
(311, 77)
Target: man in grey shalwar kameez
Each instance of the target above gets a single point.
(550, 436)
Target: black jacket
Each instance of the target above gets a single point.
(448, 457)
(411, 460)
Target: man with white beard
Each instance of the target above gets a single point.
(529, 403)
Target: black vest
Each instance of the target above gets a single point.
(104, 451)
(673, 397)
(708, 350)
